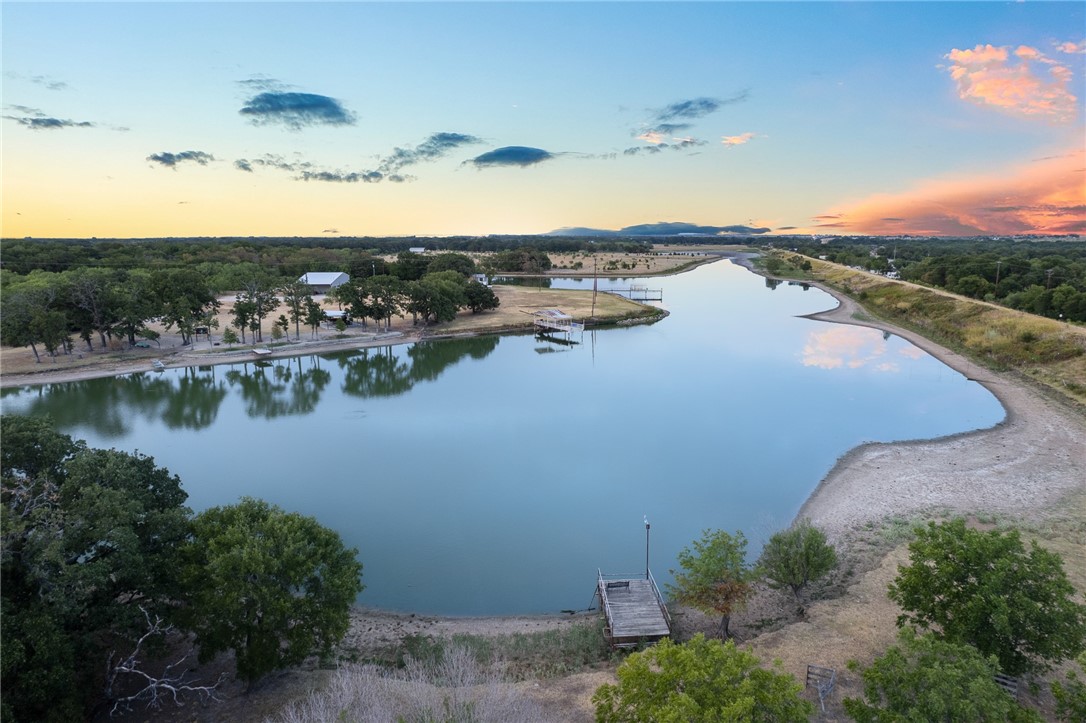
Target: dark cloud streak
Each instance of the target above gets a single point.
(296, 110)
(522, 156)
(36, 120)
(170, 160)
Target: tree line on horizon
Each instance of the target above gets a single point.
(290, 257)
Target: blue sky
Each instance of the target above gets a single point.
(178, 119)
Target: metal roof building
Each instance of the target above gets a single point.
(324, 281)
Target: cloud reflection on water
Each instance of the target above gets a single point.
(852, 347)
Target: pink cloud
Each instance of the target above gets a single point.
(1031, 85)
(1046, 196)
(653, 137)
(1072, 47)
(846, 346)
(738, 140)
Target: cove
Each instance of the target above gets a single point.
(494, 475)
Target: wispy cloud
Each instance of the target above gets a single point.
(1036, 197)
(342, 176)
(436, 146)
(522, 156)
(36, 120)
(1072, 47)
(662, 129)
(1023, 81)
(739, 140)
(696, 108)
(671, 144)
(295, 110)
(44, 81)
(171, 160)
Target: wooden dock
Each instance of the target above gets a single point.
(639, 293)
(634, 609)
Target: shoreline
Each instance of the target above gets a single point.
(1021, 466)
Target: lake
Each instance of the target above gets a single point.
(494, 475)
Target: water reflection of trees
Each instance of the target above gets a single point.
(381, 373)
(285, 388)
(111, 406)
(191, 397)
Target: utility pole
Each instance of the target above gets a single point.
(646, 547)
(1048, 282)
(595, 280)
(998, 264)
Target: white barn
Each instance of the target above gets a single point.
(324, 281)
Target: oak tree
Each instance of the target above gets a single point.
(715, 577)
(274, 586)
(794, 557)
(923, 678)
(700, 680)
(985, 589)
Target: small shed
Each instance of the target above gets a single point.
(321, 282)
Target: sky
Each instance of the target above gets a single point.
(149, 119)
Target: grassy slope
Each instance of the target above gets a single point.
(1049, 352)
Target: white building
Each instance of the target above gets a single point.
(321, 282)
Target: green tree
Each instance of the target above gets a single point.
(701, 680)
(438, 296)
(314, 315)
(925, 679)
(480, 297)
(51, 327)
(986, 590)
(295, 293)
(1070, 694)
(229, 336)
(385, 298)
(135, 304)
(90, 542)
(93, 291)
(410, 266)
(244, 311)
(260, 295)
(460, 263)
(273, 586)
(184, 298)
(715, 577)
(794, 557)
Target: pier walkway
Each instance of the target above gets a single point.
(634, 609)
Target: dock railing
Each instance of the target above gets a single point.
(603, 578)
(659, 598)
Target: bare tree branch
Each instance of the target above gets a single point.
(169, 684)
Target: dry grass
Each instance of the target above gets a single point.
(456, 687)
(1050, 352)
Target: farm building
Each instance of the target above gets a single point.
(321, 282)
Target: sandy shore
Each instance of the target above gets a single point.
(1020, 467)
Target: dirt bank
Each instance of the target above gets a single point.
(1020, 467)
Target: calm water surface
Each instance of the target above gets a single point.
(494, 475)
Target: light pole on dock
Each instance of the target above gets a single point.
(646, 547)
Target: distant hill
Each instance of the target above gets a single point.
(664, 228)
